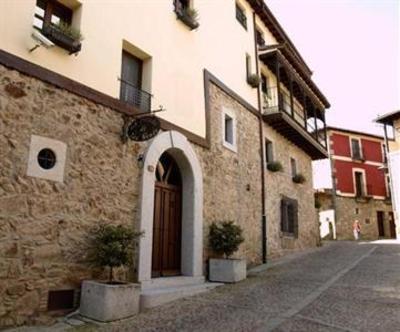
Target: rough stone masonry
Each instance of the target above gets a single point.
(45, 225)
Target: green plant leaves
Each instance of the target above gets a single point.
(225, 237)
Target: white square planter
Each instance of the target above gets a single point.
(227, 270)
(105, 302)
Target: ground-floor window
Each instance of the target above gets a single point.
(289, 216)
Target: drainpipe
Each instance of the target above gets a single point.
(333, 176)
(260, 121)
(389, 171)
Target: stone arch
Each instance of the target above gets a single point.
(180, 149)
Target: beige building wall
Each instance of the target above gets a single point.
(150, 30)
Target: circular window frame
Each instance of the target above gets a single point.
(46, 159)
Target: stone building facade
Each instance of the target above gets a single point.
(280, 184)
(64, 169)
(362, 185)
(366, 212)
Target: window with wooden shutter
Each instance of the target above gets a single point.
(269, 156)
(51, 12)
(289, 216)
(241, 16)
(356, 151)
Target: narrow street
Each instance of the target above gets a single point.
(344, 286)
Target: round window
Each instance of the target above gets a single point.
(46, 158)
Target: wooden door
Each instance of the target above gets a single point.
(381, 227)
(392, 226)
(166, 258)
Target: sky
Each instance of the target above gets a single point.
(353, 48)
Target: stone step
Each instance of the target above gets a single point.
(154, 297)
(171, 282)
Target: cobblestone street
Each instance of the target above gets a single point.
(344, 286)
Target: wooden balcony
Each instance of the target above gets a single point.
(293, 122)
(294, 107)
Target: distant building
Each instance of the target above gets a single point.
(393, 120)
(361, 185)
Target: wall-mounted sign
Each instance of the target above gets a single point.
(142, 128)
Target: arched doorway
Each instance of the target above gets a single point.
(167, 224)
(177, 147)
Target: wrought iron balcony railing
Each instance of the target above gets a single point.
(131, 95)
(281, 102)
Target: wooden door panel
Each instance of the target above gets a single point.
(380, 219)
(167, 231)
(392, 226)
(157, 231)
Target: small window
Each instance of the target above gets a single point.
(229, 130)
(131, 82)
(293, 167)
(248, 65)
(241, 16)
(269, 157)
(359, 184)
(46, 159)
(264, 84)
(51, 12)
(388, 189)
(260, 38)
(54, 20)
(357, 211)
(356, 149)
(186, 13)
(289, 216)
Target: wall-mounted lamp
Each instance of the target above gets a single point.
(140, 160)
(41, 40)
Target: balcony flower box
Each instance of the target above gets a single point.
(299, 178)
(254, 80)
(274, 166)
(188, 16)
(59, 35)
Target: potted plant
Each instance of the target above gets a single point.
(299, 178)
(274, 166)
(224, 239)
(187, 15)
(64, 35)
(254, 80)
(112, 247)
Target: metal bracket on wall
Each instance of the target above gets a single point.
(141, 126)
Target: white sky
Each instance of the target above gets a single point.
(353, 48)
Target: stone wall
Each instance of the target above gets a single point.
(43, 224)
(232, 186)
(346, 213)
(280, 184)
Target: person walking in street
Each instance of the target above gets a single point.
(356, 229)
